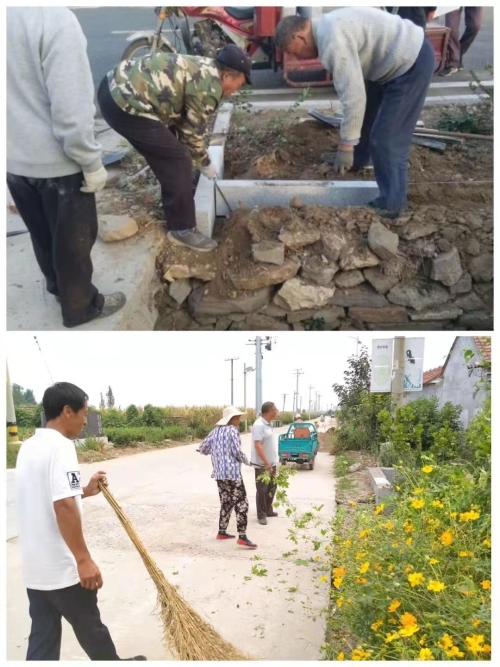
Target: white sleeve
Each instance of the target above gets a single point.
(258, 432)
(65, 473)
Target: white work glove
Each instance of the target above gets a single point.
(94, 181)
(209, 171)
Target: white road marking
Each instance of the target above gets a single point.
(131, 32)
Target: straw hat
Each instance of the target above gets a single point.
(227, 414)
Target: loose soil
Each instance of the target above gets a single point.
(361, 490)
(298, 153)
(91, 456)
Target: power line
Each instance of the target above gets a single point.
(46, 365)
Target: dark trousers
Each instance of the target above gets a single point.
(233, 495)
(392, 112)
(265, 493)
(169, 160)
(458, 46)
(62, 222)
(79, 607)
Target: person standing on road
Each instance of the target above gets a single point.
(54, 165)
(458, 46)
(162, 104)
(224, 445)
(61, 578)
(381, 66)
(264, 457)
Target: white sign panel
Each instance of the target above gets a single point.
(414, 364)
(382, 350)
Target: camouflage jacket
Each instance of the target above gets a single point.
(181, 91)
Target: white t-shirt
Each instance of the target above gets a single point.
(263, 431)
(47, 470)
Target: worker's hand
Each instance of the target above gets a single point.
(343, 160)
(209, 171)
(92, 488)
(94, 181)
(269, 467)
(90, 575)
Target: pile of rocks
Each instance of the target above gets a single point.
(309, 267)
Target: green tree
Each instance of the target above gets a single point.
(133, 416)
(113, 418)
(110, 398)
(22, 396)
(356, 380)
(102, 403)
(153, 416)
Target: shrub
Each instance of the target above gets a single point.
(112, 418)
(415, 584)
(131, 436)
(153, 416)
(91, 445)
(133, 416)
(28, 417)
(478, 436)
(388, 456)
(473, 119)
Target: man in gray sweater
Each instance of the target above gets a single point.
(381, 67)
(53, 160)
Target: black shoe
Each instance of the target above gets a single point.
(263, 522)
(137, 657)
(112, 304)
(448, 71)
(192, 239)
(389, 215)
(272, 514)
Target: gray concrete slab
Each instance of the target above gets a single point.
(126, 266)
(172, 501)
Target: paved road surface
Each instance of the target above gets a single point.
(105, 47)
(172, 501)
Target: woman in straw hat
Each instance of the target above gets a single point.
(224, 445)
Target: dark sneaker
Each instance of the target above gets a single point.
(192, 239)
(272, 514)
(137, 657)
(389, 215)
(243, 541)
(112, 304)
(376, 203)
(225, 536)
(448, 71)
(263, 522)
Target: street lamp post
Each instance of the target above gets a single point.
(246, 369)
(232, 360)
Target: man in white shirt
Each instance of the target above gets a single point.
(61, 578)
(264, 457)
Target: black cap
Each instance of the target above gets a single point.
(235, 58)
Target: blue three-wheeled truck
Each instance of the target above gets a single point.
(299, 444)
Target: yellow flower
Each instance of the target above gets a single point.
(360, 555)
(390, 638)
(392, 621)
(347, 543)
(416, 579)
(446, 642)
(341, 656)
(487, 542)
(417, 491)
(453, 515)
(323, 578)
(375, 626)
(433, 561)
(359, 654)
(475, 644)
(437, 503)
(425, 654)
(476, 623)
(409, 541)
(409, 631)
(395, 544)
(469, 516)
(427, 469)
(454, 652)
(328, 548)
(486, 584)
(409, 527)
(436, 586)
(339, 571)
(363, 533)
(353, 503)
(418, 504)
(408, 619)
(364, 568)
(465, 554)
(378, 568)
(337, 582)
(389, 525)
(379, 508)
(317, 558)
(398, 488)
(361, 580)
(394, 605)
(340, 601)
(409, 569)
(390, 567)
(446, 538)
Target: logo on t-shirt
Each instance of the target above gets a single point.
(74, 480)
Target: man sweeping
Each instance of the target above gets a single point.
(61, 578)
(163, 104)
(381, 66)
(224, 445)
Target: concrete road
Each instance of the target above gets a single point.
(106, 30)
(172, 502)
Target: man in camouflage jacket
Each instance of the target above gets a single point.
(162, 104)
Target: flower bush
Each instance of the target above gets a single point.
(416, 571)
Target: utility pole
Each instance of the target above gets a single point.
(297, 372)
(284, 401)
(397, 388)
(319, 403)
(310, 387)
(258, 368)
(12, 434)
(246, 369)
(356, 338)
(232, 360)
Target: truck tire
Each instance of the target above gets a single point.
(311, 465)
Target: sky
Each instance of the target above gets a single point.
(179, 368)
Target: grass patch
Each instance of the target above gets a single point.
(341, 465)
(344, 484)
(12, 452)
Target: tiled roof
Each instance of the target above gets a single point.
(483, 344)
(433, 374)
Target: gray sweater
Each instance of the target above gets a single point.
(358, 44)
(50, 95)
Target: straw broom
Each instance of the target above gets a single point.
(184, 630)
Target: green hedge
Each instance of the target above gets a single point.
(130, 436)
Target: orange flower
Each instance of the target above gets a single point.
(408, 619)
(339, 571)
(394, 605)
(446, 538)
(486, 584)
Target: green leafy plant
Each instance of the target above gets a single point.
(472, 119)
(280, 125)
